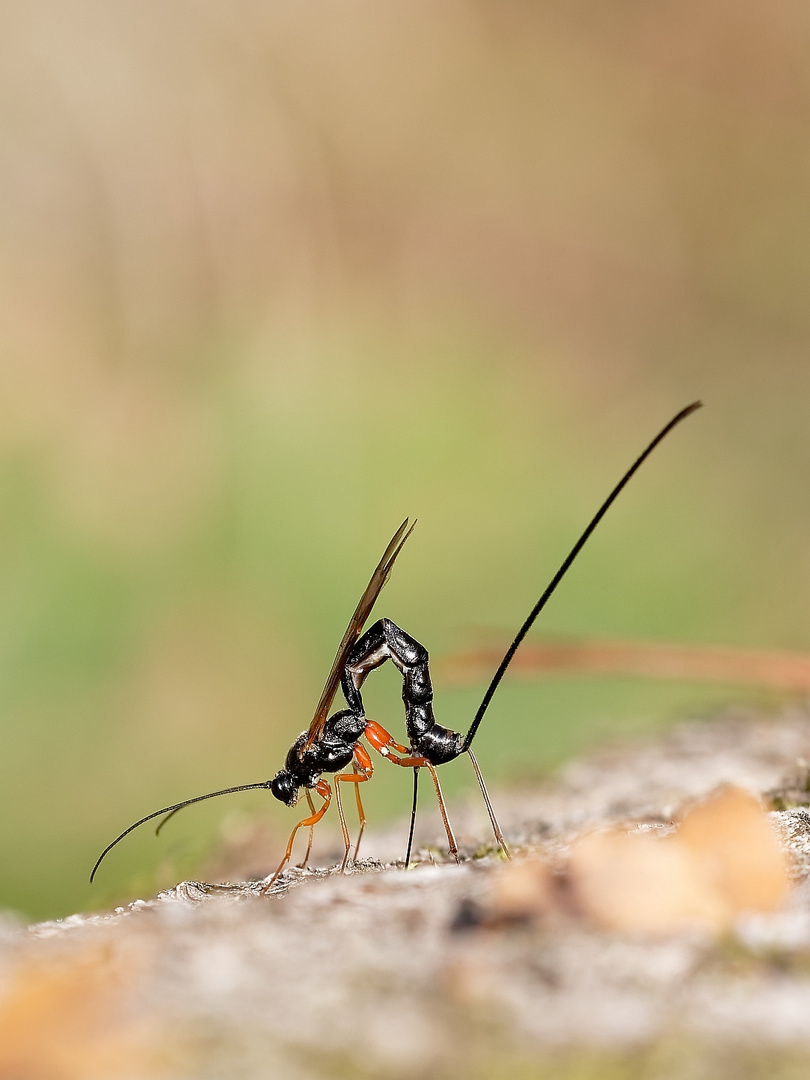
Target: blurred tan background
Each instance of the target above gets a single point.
(274, 275)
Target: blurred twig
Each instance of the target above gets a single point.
(651, 659)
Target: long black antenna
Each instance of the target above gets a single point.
(413, 817)
(172, 810)
(555, 581)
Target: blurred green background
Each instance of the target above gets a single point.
(274, 275)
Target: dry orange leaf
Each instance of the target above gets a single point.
(522, 890)
(65, 1020)
(638, 883)
(724, 861)
(729, 837)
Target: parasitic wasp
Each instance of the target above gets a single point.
(332, 743)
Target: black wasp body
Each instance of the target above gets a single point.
(333, 743)
(335, 746)
(386, 641)
(332, 751)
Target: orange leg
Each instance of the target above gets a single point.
(361, 814)
(303, 865)
(451, 840)
(325, 792)
(363, 769)
(384, 743)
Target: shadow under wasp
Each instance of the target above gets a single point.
(332, 743)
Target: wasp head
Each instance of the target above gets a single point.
(284, 787)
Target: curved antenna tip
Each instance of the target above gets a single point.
(170, 811)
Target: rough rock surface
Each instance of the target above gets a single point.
(382, 972)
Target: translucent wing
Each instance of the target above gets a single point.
(355, 628)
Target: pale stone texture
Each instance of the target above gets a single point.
(382, 972)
